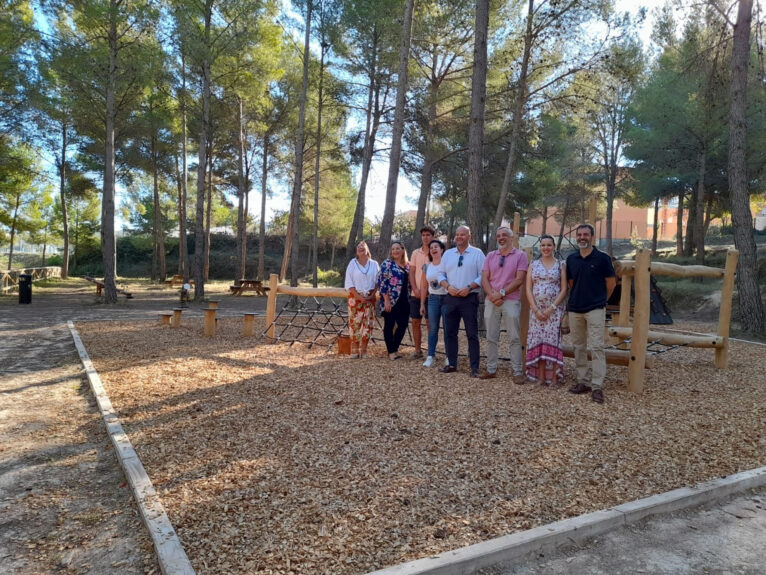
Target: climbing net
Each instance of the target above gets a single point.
(316, 320)
(653, 347)
(310, 319)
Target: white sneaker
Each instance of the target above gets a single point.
(429, 362)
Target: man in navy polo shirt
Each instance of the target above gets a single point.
(591, 282)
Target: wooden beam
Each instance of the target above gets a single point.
(308, 291)
(613, 356)
(271, 305)
(625, 289)
(210, 321)
(724, 315)
(664, 338)
(641, 310)
(627, 267)
(516, 227)
(248, 326)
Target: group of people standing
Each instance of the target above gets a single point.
(443, 286)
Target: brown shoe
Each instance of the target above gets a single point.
(579, 388)
(448, 369)
(519, 379)
(597, 396)
(488, 375)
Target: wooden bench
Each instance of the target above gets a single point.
(100, 286)
(255, 286)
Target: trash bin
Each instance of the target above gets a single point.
(25, 288)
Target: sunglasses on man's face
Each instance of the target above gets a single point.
(460, 261)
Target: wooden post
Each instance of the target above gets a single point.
(271, 306)
(524, 315)
(516, 226)
(248, 328)
(724, 315)
(640, 321)
(213, 304)
(210, 321)
(165, 318)
(176, 317)
(625, 287)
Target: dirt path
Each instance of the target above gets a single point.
(64, 503)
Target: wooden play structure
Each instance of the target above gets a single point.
(638, 335)
(315, 318)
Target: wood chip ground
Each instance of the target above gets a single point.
(288, 459)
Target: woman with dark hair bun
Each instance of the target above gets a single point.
(546, 291)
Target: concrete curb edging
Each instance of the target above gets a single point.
(170, 553)
(545, 538)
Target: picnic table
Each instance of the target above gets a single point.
(178, 280)
(250, 285)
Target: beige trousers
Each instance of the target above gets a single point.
(587, 331)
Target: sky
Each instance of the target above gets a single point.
(408, 191)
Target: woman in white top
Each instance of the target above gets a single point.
(436, 295)
(361, 277)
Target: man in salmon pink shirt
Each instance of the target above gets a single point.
(502, 277)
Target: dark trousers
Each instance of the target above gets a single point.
(467, 309)
(395, 324)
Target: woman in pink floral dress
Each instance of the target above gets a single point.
(546, 291)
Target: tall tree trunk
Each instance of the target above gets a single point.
(691, 210)
(13, 229)
(199, 232)
(655, 231)
(544, 216)
(610, 176)
(241, 191)
(356, 233)
(387, 225)
(208, 212)
(426, 178)
(315, 235)
(262, 223)
(183, 247)
(564, 217)
(518, 112)
(699, 219)
(476, 126)
(680, 225)
(752, 317)
(295, 205)
(108, 245)
(159, 235)
(62, 198)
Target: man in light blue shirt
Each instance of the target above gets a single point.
(462, 279)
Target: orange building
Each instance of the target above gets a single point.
(627, 222)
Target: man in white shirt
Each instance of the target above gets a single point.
(462, 279)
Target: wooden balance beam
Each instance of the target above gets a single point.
(613, 356)
(702, 340)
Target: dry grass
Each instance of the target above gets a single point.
(279, 459)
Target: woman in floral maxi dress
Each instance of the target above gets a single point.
(546, 291)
